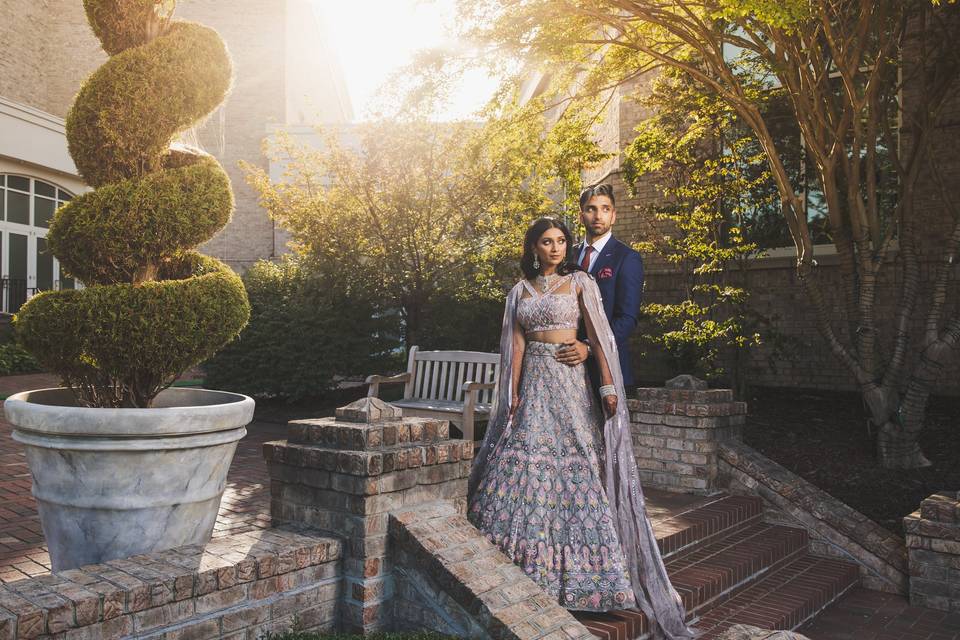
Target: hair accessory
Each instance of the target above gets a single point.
(608, 390)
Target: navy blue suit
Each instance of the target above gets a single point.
(618, 271)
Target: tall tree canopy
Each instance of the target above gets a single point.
(867, 83)
(415, 212)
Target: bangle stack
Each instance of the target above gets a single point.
(608, 390)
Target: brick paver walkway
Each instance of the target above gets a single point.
(860, 615)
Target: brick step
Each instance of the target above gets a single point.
(688, 529)
(711, 573)
(715, 572)
(784, 599)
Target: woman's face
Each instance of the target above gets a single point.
(551, 247)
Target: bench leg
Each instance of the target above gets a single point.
(467, 425)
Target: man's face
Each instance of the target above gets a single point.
(598, 216)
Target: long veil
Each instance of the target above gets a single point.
(655, 596)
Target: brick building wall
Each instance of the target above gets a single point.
(803, 358)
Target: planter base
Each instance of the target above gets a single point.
(112, 483)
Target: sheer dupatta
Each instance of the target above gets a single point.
(655, 595)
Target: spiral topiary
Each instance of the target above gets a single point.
(152, 307)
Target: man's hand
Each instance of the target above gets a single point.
(573, 353)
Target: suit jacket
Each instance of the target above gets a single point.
(618, 271)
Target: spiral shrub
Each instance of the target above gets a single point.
(152, 306)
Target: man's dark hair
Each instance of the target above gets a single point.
(604, 189)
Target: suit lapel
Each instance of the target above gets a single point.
(605, 259)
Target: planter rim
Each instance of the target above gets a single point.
(181, 411)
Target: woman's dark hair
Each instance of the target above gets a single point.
(533, 234)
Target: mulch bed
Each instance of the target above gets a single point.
(822, 437)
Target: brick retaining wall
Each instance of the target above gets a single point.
(836, 530)
(239, 587)
(933, 540)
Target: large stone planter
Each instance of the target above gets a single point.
(112, 483)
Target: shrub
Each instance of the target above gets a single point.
(306, 328)
(152, 307)
(15, 360)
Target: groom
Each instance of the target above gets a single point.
(618, 271)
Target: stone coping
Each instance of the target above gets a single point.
(916, 525)
(446, 565)
(367, 463)
(689, 409)
(131, 595)
(664, 394)
(845, 531)
(331, 433)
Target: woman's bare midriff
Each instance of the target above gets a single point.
(555, 336)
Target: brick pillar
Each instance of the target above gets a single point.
(345, 475)
(933, 550)
(677, 430)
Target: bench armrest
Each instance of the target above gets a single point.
(471, 391)
(477, 386)
(376, 380)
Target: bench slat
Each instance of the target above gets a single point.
(422, 372)
(457, 356)
(456, 395)
(446, 377)
(435, 379)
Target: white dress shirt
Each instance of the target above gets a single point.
(598, 246)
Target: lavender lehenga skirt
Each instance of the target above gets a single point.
(542, 499)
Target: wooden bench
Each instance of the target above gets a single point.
(458, 386)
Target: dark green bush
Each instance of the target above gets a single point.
(152, 308)
(469, 324)
(14, 360)
(306, 327)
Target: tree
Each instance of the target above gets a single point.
(417, 213)
(153, 306)
(703, 205)
(842, 69)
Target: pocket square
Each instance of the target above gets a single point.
(605, 273)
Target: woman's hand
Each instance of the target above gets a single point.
(610, 405)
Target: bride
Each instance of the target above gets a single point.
(555, 484)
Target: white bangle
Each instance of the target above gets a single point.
(608, 390)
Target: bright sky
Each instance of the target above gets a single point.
(373, 38)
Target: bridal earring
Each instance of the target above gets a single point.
(536, 261)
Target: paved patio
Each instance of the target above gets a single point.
(860, 615)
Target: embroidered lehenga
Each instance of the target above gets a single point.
(556, 487)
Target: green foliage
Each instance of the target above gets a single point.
(15, 360)
(413, 213)
(307, 327)
(152, 308)
(126, 113)
(123, 24)
(111, 234)
(705, 195)
(120, 343)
